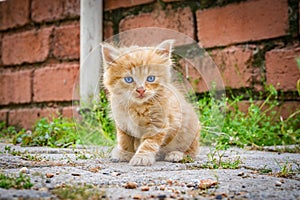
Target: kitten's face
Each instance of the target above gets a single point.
(137, 74)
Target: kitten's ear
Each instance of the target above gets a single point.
(166, 47)
(109, 53)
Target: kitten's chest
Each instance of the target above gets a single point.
(134, 120)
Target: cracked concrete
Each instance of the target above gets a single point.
(257, 176)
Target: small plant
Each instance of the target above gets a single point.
(96, 127)
(8, 132)
(216, 161)
(20, 182)
(265, 170)
(79, 192)
(60, 132)
(260, 126)
(286, 169)
(187, 159)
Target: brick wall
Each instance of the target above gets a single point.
(253, 42)
(39, 58)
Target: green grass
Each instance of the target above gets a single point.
(260, 126)
(18, 182)
(58, 132)
(223, 124)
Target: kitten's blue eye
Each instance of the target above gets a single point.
(150, 78)
(128, 79)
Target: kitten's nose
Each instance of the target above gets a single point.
(140, 90)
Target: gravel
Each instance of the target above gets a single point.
(58, 168)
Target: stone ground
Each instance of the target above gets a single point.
(87, 173)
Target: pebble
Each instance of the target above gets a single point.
(190, 185)
(161, 196)
(278, 183)
(49, 175)
(75, 174)
(162, 187)
(130, 185)
(137, 196)
(204, 184)
(170, 182)
(241, 174)
(43, 189)
(145, 188)
(24, 170)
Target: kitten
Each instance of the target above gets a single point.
(153, 119)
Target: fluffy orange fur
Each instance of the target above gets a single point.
(153, 119)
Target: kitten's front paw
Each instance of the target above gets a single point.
(119, 155)
(142, 160)
(174, 156)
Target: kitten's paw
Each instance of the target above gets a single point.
(174, 156)
(142, 160)
(118, 155)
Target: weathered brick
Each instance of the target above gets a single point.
(15, 87)
(114, 4)
(55, 82)
(234, 65)
(3, 115)
(180, 20)
(71, 8)
(30, 46)
(108, 30)
(247, 21)
(282, 69)
(27, 117)
(13, 13)
(194, 76)
(46, 10)
(71, 112)
(67, 41)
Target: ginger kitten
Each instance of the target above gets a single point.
(153, 119)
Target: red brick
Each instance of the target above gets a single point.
(55, 82)
(247, 21)
(3, 115)
(27, 117)
(196, 80)
(46, 10)
(30, 46)
(180, 20)
(71, 8)
(108, 30)
(13, 13)
(71, 112)
(114, 4)
(15, 87)
(67, 41)
(281, 68)
(234, 66)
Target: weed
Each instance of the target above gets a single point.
(96, 126)
(260, 126)
(187, 159)
(265, 170)
(60, 132)
(286, 169)
(8, 132)
(79, 192)
(216, 161)
(20, 182)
